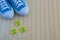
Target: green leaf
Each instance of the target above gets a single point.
(17, 23)
(23, 29)
(13, 31)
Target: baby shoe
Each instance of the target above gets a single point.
(6, 11)
(20, 6)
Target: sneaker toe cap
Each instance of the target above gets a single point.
(23, 11)
(8, 14)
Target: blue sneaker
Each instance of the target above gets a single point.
(6, 11)
(20, 6)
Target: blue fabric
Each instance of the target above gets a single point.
(20, 7)
(7, 9)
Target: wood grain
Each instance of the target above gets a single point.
(43, 22)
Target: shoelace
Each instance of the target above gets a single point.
(18, 3)
(3, 5)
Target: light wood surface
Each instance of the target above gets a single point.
(43, 22)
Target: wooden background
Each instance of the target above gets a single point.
(43, 22)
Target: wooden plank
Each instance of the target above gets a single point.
(52, 36)
(42, 20)
(56, 25)
(38, 20)
(47, 20)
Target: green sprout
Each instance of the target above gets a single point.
(23, 29)
(17, 23)
(13, 31)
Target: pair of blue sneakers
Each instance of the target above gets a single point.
(7, 6)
